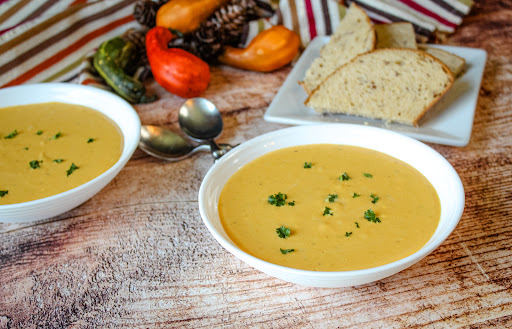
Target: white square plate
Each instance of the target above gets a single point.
(449, 122)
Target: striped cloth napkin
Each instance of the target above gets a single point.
(43, 43)
(427, 16)
(50, 41)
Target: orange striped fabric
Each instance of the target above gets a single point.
(47, 43)
(44, 41)
(308, 18)
(52, 41)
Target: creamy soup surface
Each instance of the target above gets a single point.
(346, 208)
(49, 148)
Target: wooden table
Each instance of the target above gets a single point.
(138, 255)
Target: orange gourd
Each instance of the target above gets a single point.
(269, 50)
(176, 70)
(186, 15)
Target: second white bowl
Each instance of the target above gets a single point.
(426, 160)
(111, 105)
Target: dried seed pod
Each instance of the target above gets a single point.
(224, 27)
(144, 12)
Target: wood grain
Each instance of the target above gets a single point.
(137, 254)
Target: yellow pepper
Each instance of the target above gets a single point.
(268, 51)
(186, 15)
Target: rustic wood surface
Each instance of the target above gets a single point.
(137, 254)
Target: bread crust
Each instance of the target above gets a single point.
(428, 107)
(463, 60)
(373, 41)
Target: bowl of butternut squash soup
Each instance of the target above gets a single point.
(60, 144)
(331, 205)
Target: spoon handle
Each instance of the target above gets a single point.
(217, 152)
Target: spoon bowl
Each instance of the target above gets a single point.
(164, 144)
(167, 145)
(200, 119)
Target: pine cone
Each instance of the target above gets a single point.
(230, 20)
(224, 27)
(144, 12)
(206, 47)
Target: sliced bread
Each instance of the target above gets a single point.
(355, 35)
(395, 35)
(393, 84)
(454, 62)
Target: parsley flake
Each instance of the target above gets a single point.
(357, 224)
(307, 165)
(355, 195)
(291, 203)
(347, 234)
(34, 164)
(58, 160)
(11, 135)
(343, 177)
(327, 211)
(57, 135)
(90, 140)
(368, 175)
(39, 132)
(26, 148)
(285, 251)
(283, 232)
(370, 216)
(72, 168)
(374, 197)
(278, 199)
(332, 197)
(3, 193)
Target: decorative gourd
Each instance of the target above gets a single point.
(185, 15)
(268, 51)
(176, 70)
(111, 60)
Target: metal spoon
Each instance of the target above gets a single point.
(201, 121)
(167, 145)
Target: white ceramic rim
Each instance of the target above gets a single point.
(337, 275)
(130, 142)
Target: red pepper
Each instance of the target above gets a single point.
(176, 70)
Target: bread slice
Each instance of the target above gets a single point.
(393, 84)
(355, 35)
(395, 35)
(454, 62)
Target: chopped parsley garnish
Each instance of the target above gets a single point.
(58, 160)
(374, 197)
(347, 234)
(278, 199)
(12, 134)
(291, 203)
(90, 140)
(285, 251)
(283, 232)
(3, 193)
(343, 177)
(327, 211)
(72, 168)
(34, 164)
(357, 224)
(39, 132)
(307, 164)
(332, 197)
(370, 216)
(355, 195)
(26, 148)
(368, 175)
(57, 135)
